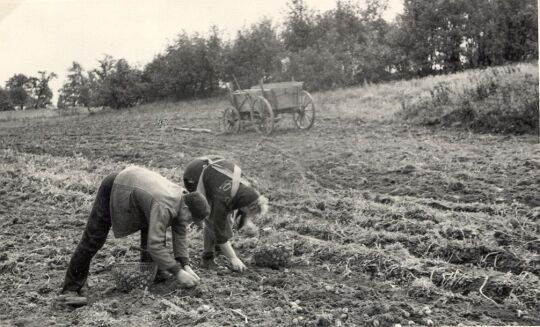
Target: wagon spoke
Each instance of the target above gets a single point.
(305, 119)
(304, 115)
(262, 116)
(231, 120)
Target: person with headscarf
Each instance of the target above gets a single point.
(233, 201)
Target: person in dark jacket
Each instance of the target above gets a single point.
(232, 200)
(137, 199)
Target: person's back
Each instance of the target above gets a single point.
(133, 194)
(217, 182)
(194, 169)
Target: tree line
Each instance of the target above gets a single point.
(27, 92)
(347, 45)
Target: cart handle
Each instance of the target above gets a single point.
(236, 82)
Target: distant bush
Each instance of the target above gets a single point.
(5, 101)
(498, 100)
(121, 86)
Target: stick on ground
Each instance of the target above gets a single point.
(190, 129)
(482, 293)
(238, 312)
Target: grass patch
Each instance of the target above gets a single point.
(497, 100)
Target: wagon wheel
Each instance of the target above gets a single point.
(304, 115)
(262, 116)
(231, 120)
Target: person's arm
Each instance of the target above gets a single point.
(179, 239)
(228, 251)
(157, 228)
(180, 245)
(192, 273)
(221, 226)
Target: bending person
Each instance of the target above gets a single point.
(232, 200)
(137, 199)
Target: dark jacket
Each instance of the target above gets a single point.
(144, 200)
(217, 184)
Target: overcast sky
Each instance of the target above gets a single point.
(50, 34)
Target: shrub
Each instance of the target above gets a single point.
(5, 101)
(499, 100)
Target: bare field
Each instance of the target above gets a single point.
(387, 223)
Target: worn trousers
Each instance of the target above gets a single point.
(94, 236)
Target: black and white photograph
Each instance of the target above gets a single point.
(310, 163)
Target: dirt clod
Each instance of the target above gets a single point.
(324, 320)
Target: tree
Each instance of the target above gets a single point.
(503, 31)
(214, 55)
(5, 101)
(299, 26)
(349, 36)
(373, 62)
(181, 69)
(30, 92)
(106, 66)
(157, 78)
(76, 89)
(18, 88)
(318, 68)
(42, 92)
(190, 67)
(61, 102)
(447, 36)
(121, 88)
(415, 36)
(97, 78)
(254, 54)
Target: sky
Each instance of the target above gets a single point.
(48, 35)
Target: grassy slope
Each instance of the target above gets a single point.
(496, 99)
(383, 218)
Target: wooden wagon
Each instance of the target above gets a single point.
(263, 105)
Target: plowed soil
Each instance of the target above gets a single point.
(387, 223)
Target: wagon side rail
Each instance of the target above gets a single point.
(284, 96)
